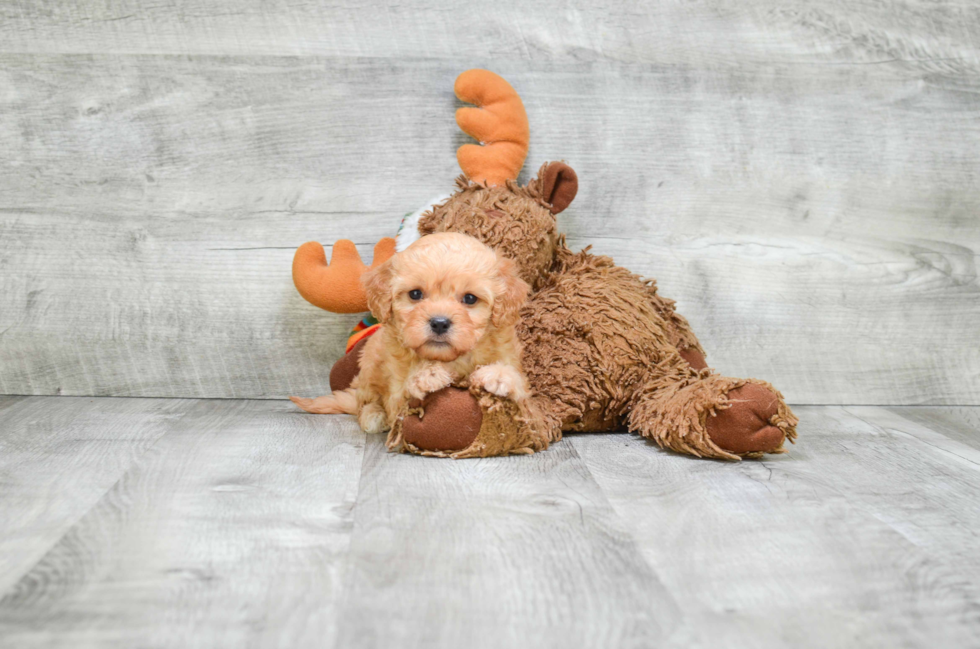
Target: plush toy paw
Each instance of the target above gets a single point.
(753, 423)
(452, 420)
(501, 380)
(460, 423)
(427, 379)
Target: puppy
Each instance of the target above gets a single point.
(447, 306)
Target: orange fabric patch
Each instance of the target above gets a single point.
(360, 335)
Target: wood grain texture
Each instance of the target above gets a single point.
(229, 531)
(961, 425)
(504, 552)
(187, 523)
(802, 177)
(941, 33)
(58, 457)
(863, 535)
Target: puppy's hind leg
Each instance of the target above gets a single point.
(336, 403)
(372, 418)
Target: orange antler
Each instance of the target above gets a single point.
(499, 123)
(336, 287)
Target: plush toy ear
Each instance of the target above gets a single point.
(507, 304)
(377, 289)
(559, 184)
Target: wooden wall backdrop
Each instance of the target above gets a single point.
(802, 176)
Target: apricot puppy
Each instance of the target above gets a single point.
(447, 306)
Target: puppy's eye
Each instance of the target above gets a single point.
(469, 298)
(415, 294)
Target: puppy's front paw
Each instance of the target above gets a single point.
(501, 380)
(428, 379)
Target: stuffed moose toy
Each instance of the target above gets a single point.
(601, 349)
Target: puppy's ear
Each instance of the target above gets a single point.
(377, 289)
(507, 304)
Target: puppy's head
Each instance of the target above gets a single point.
(444, 293)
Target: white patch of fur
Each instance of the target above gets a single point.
(408, 232)
(373, 419)
(502, 380)
(428, 378)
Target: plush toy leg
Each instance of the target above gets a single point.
(750, 419)
(455, 422)
(678, 329)
(714, 416)
(344, 370)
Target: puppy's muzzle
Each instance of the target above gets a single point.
(440, 325)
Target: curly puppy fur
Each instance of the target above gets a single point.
(447, 305)
(601, 348)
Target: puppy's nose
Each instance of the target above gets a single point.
(440, 324)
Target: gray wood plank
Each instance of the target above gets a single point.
(812, 220)
(58, 457)
(502, 552)
(863, 535)
(712, 31)
(231, 523)
(960, 424)
(230, 531)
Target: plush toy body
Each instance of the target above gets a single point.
(602, 350)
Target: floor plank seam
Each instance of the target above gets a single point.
(174, 425)
(286, 399)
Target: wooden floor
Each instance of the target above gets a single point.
(205, 523)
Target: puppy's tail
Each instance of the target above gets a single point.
(343, 402)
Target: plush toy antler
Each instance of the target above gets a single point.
(336, 287)
(499, 123)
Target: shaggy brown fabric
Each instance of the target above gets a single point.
(510, 219)
(693, 357)
(602, 349)
(343, 371)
